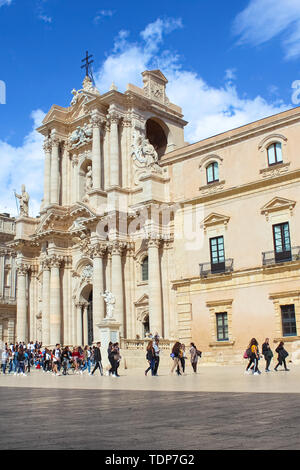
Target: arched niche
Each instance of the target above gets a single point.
(83, 169)
(157, 133)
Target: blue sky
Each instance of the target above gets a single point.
(228, 63)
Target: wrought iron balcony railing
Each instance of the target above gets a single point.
(277, 257)
(216, 268)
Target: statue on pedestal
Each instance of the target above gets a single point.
(110, 301)
(24, 201)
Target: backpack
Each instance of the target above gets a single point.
(199, 353)
(248, 352)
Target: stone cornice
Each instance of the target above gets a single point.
(244, 188)
(233, 136)
(230, 279)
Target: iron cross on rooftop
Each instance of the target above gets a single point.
(87, 63)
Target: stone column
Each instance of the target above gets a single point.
(11, 330)
(98, 253)
(85, 324)
(75, 195)
(32, 304)
(79, 324)
(22, 303)
(114, 149)
(54, 191)
(55, 301)
(96, 150)
(47, 171)
(46, 303)
(154, 283)
(117, 282)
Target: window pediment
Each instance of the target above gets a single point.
(278, 204)
(270, 139)
(215, 219)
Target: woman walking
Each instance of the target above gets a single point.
(117, 359)
(282, 355)
(194, 357)
(150, 356)
(254, 357)
(182, 357)
(267, 353)
(176, 358)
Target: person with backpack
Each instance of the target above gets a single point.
(98, 359)
(267, 353)
(253, 354)
(195, 354)
(65, 358)
(182, 357)
(282, 355)
(176, 358)
(150, 356)
(157, 351)
(21, 361)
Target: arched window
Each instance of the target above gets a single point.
(274, 153)
(212, 172)
(145, 274)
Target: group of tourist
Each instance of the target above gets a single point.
(18, 359)
(252, 353)
(178, 355)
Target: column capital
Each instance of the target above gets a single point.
(154, 241)
(97, 120)
(55, 261)
(45, 263)
(47, 146)
(117, 247)
(54, 138)
(126, 121)
(98, 250)
(22, 269)
(113, 116)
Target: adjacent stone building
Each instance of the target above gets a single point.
(8, 278)
(194, 242)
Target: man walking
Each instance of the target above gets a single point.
(156, 351)
(97, 359)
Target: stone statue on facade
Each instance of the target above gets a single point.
(89, 179)
(81, 135)
(87, 90)
(24, 201)
(144, 154)
(110, 301)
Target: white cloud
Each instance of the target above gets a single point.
(103, 14)
(5, 2)
(208, 109)
(263, 20)
(20, 165)
(45, 18)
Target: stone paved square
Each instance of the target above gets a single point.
(218, 409)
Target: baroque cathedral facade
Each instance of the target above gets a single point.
(141, 233)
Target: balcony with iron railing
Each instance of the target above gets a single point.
(270, 258)
(225, 267)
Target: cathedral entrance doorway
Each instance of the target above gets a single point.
(87, 314)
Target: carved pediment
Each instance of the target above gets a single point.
(143, 301)
(278, 204)
(215, 219)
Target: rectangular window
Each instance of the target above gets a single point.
(288, 320)
(282, 242)
(274, 154)
(217, 254)
(222, 326)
